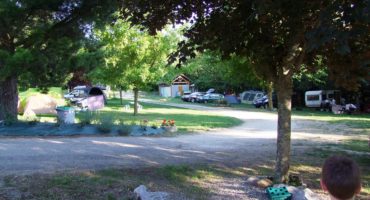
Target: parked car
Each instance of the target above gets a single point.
(249, 96)
(210, 97)
(193, 96)
(264, 101)
(186, 96)
(86, 97)
(78, 93)
(261, 102)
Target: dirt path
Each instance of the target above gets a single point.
(253, 141)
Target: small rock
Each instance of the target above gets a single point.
(264, 183)
(253, 180)
(142, 193)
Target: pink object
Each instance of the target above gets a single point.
(93, 102)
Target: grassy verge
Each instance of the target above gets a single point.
(55, 92)
(185, 119)
(357, 121)
(360, 121)
(184, 182)
(356, 145)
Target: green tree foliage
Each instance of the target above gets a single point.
(39, 40)
(133, 58)
(306, 80)
(279, 37)
(209, 70)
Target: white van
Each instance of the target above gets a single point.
(316, 98)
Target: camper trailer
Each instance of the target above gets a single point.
(316, 99)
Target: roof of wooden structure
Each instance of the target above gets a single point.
(181, 79)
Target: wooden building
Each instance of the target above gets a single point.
(178, 86)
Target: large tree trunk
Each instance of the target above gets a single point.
(269, 95)
(9, 99)
(284, 95)
(136, 97)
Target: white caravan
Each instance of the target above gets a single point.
(316, 98)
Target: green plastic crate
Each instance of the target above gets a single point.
(278, 193)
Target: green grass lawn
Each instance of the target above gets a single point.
(359, 121)
(185, 119)
(354, 121)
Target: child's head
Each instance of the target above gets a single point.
(341, 177)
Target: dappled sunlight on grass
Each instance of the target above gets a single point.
(115, 114)
(186, 119)
(356, 145)
(305, 168)
(360, 121)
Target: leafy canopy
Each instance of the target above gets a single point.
(40, 40)
(276, 35)
(133, 58)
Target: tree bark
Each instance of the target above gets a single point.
(9, 99)
(284, 94)
(136, 97)
(120, 95)
(269, 95)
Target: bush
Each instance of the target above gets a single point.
(104, 128)
(124, 130)
(86, 118)
(105, 124)
(32, 120)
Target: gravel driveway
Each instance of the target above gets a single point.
(252, 141)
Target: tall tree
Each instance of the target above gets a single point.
(278, 36)
(133, 58)
(37, 39)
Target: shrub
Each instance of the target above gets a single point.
(86, 118)
(153, 126)
(105, 124)
(32, 120)
(124, 130)
(144, 124)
